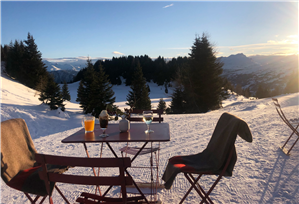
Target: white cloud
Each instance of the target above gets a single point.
(293, 36)
(168, 6)
(117, 53)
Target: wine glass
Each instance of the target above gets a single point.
(103, 123)
(148, 118)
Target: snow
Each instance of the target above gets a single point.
(262, 174)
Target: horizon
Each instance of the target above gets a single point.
(101, 29)
(66, 59)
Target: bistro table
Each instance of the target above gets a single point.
(135, 134)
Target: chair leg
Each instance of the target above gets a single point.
(50, 200)
(193, 183)
(206, 196)
(293, 146)
(33, 201)
(61, 195)
(213, 186)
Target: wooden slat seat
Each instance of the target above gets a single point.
(123, 179)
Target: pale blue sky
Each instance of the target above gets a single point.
(168, 29)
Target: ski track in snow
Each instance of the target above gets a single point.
(262, 174)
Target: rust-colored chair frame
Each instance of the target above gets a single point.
(194, 182)
(123, 179)
(287, 122)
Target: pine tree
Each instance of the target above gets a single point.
(34, 68)
(86, 89)
(162, 105)
(104, 95)
(65, 92)
(95, 90)
(178, 103)
(24, 63)
(15, 59)
(138, 97)
(51, 95)
(203, 84)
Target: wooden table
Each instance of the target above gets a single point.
(135, 134)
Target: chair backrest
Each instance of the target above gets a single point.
(17, 148)
(132, 115)
(281, 114)
(223, 139)
(120, 180)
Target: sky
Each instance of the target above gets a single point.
(157, 28)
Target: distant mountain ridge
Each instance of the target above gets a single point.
(65, 69)
(254, 70)
(238, 68)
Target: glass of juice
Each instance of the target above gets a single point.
(88, 123)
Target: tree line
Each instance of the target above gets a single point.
(23, 62)
(121, 70)
(198, 84)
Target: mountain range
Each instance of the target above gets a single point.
(239, 69)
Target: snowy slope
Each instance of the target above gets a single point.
(262, 174)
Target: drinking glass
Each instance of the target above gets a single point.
(103, 125)
(88, 123)
(148, 118)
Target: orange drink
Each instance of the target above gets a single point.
(88, 123)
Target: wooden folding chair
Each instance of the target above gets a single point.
(123, 179)
(294, 127)
(218, 158)
(19, 169)
(135, 115)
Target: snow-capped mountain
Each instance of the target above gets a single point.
(252, 71)
(239, 69)
(65, 69)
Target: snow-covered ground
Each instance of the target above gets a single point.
(262, 174)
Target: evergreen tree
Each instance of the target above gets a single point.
(86, 89)
(65, 92)
(34, 68)
(104, 95)
(51, 95)
(203, 83)
(178, 103)
(162, 105)
(166, 89)
(24, 63)
(15, 59)
(138, 97)
(94, 91)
